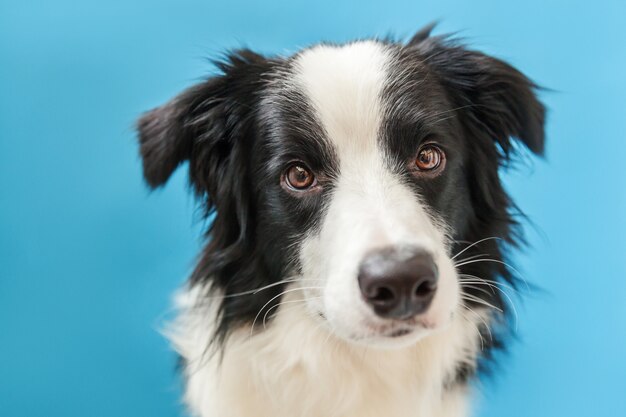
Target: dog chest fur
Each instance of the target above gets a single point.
(294, 366)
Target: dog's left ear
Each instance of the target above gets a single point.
(497, 98)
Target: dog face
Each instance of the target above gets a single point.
(376, 266)
(355, 174)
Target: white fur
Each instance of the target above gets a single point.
(295, 367)
(370, 207)
(303, 365)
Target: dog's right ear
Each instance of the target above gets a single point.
(167, 133)
(202, 124)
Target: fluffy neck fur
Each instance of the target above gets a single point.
(296, 367)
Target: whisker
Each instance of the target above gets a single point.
(482, 340)
(484, 291)
(469, 258)
(474, 244)
(275, 297)
(488, 282)
(484, 322)
(295, 278)
(441, 113)
(293, 307)
(510, 300)
(301, 301)
(469, 297)
(519, 275)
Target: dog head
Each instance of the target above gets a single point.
(356, 174)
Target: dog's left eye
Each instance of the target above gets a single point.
(430, 158)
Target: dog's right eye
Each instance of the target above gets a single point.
(298, 177)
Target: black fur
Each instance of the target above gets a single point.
(474, 106)
(240, 128)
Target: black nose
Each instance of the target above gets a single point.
(398, 283)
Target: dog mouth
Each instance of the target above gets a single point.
(372, 329)
(397, 328)
(399, 333)
(392, 330)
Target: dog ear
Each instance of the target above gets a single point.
(497, 98)
(167, 133)
(201, 125)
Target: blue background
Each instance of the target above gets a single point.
(89, 260)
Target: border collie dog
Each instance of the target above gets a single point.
(355, 260)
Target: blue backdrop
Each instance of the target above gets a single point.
(88, 259)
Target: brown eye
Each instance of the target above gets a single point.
(298, 177)
(429, 158)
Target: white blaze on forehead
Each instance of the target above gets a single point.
(344, 84)
(371, 207)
